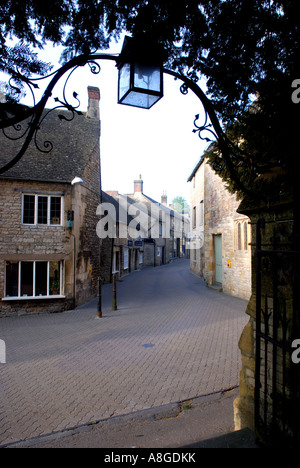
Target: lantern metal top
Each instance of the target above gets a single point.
(140, 74)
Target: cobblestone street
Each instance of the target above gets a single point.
(171, 339)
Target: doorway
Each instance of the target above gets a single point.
(218, 258)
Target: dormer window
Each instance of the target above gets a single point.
(42, 210)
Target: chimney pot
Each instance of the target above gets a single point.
(138, 185)
(164, 198)
(93, 111)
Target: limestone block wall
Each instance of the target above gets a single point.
(220, 217)
(197, 202)
(278, 225)
(19, 242)
(86, 199)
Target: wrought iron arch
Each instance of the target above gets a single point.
(211, 126)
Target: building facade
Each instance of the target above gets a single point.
(220, 237)
(121, 252)
(143, 232)
(167, 228)
(49, 249)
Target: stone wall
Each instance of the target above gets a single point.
(20, 242)
(197, 260)
(279, 220)
(220, 217)
(75, 152)
(85, 202)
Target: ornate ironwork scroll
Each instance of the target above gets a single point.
(211, 127)
(26, 122)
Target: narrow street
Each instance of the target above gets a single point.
(171, 339)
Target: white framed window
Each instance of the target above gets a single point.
(194, 217)
(115, 263)
(125, 258)
(42, 210)
(141, 258)
(242, 235)
(201, 214)
(33, 279)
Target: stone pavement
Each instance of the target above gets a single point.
(203, 422)
(171, 339)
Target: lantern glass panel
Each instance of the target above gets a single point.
(124, 80)
(147, 77)
(136, 99)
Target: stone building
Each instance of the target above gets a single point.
(166, 227)
(121, 253)
(49, 249)
(147, 233)
(220, 249)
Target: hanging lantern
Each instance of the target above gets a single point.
(140, 75)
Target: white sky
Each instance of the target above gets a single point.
(158, 144)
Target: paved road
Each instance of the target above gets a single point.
(171, 339)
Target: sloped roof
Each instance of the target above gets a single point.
(121, 213)
(196, 168)
(73, 144)
(148, 202)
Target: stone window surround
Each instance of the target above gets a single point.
(242, 235)
(41, 193)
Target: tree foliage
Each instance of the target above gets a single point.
(180, 204)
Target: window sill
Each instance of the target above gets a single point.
(32, 298)
(43, 225)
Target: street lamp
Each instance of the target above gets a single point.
(140, 81)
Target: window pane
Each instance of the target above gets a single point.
(41, 273)
(42, 210)
(54, 279)
(239, 237)
(28, 209)
(124, 80)
(245, 235)
(12, 278)
(147, 77)
(125, 258)
(26, 278)
(55, 210)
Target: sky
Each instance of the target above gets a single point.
(157, 144)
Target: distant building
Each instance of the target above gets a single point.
(49, 249)
(148, 233)
(220, 237)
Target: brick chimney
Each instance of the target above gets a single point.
(138, 185)
(164, 198)
(93, 111)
